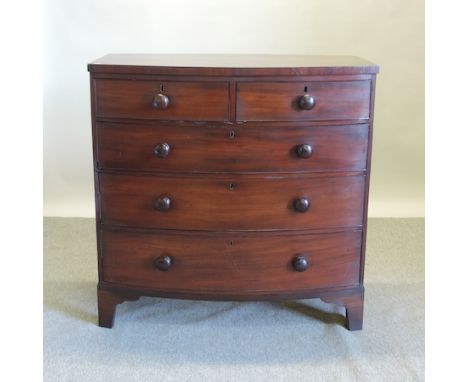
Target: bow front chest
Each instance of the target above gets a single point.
(225, 177)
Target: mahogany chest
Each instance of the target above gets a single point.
(231, 177)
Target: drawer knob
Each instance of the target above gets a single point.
(163, 203)
(304, 151)
(301, 204)
(161, 101)
(163, 262)
(162, 150)
(300, 263)
(306, 102)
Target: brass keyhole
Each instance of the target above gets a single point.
(231, 186)
(232, 134)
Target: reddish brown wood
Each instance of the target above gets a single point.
(278, 101)
(232, 65)
(96, 178)
(165, 127)
(233, 295)
(107, 302)
(252, 148)
(234, 261)
(366, 190)
(216, 78)
(231, 202)
(187, 100)
(354, 305)
(352, 298)
(232, 99)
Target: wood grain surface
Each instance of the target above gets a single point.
(278, 101)
(213, 181)
(232, 148)
(232, 64)
(187, 100)
(231, 202)
(228, 262)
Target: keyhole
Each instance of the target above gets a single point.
(305, 89)
(161, 88)
(232, 134)
(231, 242)
(231, 186)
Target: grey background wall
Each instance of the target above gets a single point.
(390, 33)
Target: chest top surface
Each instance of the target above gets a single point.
(232, 64)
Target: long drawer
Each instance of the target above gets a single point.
(232, 148)
(231, 202)
(217, 263)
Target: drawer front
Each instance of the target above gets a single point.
(230, 262)
(279, 101)
(207, 101)
(232, 148)
(231, 202)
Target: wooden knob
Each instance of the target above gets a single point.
(160, 101)
(301, 204)
(304, 151)
(163, 262)
(162, 150)
(306, 102)
(163, 203)
(300, 263)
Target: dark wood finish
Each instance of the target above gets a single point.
(233, 295)
(235, 177)
(232, 148)
(161, 101)
(301, 204)
(162, 150)
(354, 305)
(279, 101)
(306, 102)
(231, 202)
(207, 101)
(366, 190)
(351, 296)
(163, 203)
(96, 179)
(231, 261)
(300, 263)
(304, 151)
(163, 262)
(107, 302)
(231, 65)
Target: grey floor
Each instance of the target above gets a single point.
(175, 340)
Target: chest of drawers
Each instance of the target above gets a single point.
(231, 177)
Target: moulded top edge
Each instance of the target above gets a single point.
(209, 64)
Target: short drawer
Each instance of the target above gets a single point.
(281, 101)
(231, 202)
(230, 262)
(162, 100)
(232, 148)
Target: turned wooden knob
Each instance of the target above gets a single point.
(306, 102)
(163, 262)
(163, 203)
(300, 263)
(160, 101)
(304, 151)
(162, 150)
(301, 204)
